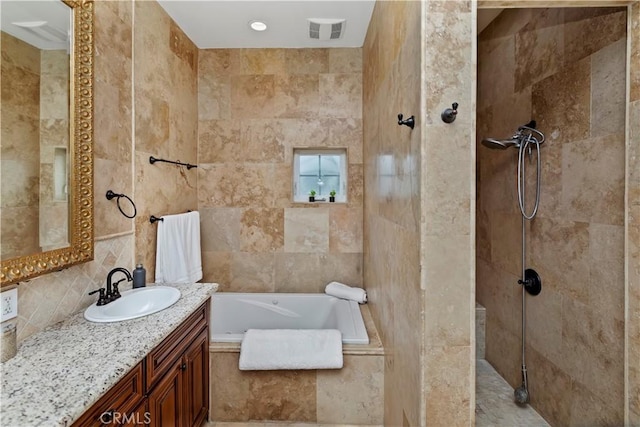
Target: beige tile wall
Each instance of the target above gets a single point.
(418, 204)
(632, 254)
(166, 123)
(565, 68)
(254, 107)
(352, 395)
(391, 85)
(20, 149)
(447, 220)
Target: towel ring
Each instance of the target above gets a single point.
(111, 195)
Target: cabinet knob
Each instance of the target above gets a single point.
(183, 366)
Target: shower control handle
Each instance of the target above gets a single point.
(449, 115)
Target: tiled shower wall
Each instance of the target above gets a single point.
(565, 68)
(391, 83)
(254, 107)
(20, 148)
(418, 207)
(632, 255)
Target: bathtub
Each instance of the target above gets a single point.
(233, 313)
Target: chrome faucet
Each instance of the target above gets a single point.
(112, 289)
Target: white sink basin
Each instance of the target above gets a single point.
(133, 304)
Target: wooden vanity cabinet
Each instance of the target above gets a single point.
(169, 387)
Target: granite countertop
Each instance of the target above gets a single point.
(60, 372)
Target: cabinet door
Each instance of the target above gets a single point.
(165, 401)
(196, 380)
(118, 403)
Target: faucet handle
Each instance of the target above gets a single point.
(102, 299)
(115, 294)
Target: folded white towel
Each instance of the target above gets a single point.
(269, 349)
(340, 290)
(178, 257)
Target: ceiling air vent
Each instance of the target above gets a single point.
(326, 29)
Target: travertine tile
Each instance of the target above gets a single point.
(297, 272)
(548, 243)
(341, 95)
(219, 141)
(345, 60)
(583, 37)
(262, 61)
(216, 268)
(260, 141)
(450, 378)
(259, 395)
(220, 229)
(353, 393)
(236, 185)
(561, 102)
(447, 263)
(546, 383)
(262, 230)
(252, 272)
(539, 48)
(306, 230)
(254, 96)
(390, 238)
(606, 254)
(307, 61)
(596, 164)
(608, 86)
(345, 229)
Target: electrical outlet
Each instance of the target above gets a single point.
(9, 304)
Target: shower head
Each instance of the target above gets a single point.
(524, 135)
(500, 144)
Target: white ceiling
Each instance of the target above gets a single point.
(225, 23)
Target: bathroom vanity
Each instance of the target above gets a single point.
(170, 386)
(148, 371)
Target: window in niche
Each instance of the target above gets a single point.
(322, 170)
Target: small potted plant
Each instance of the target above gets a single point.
(312, 195)
(332, 196)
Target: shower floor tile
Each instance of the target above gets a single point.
(494, 402)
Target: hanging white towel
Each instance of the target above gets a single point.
(340, 290)
(178, 258)
(269, 349)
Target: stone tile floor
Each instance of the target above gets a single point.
(494, 406)
(494, 402)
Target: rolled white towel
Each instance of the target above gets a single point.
(340, 290)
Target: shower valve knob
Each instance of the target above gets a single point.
(449, 115)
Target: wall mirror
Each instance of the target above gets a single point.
(46, 139)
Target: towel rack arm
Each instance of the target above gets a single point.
(152, 160)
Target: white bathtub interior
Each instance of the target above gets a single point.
(233, 313)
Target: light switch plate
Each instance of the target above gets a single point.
(9, 304)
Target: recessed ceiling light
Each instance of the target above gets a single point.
(258, 25)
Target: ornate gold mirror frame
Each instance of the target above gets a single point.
(80, 247)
